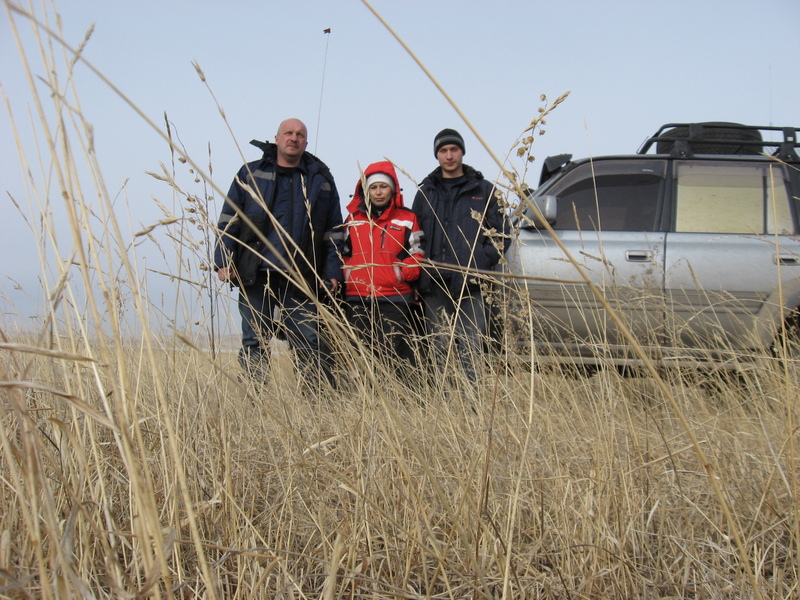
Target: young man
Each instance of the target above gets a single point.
(456, 207)
(279, 238)
(382, 250)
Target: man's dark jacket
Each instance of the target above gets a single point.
(317, 220)
(453, 234)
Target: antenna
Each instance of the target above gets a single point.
(770, 94)
(322, 87)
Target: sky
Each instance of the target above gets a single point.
(630, 66)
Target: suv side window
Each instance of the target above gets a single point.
(733, 197)
(614, 195)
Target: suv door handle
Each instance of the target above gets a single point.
(638, 256)
(786, 259)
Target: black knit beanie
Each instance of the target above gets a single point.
(447, 136)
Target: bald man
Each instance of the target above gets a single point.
(280, 244)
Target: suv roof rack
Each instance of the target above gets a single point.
(688, 139)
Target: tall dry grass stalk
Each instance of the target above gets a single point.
(145, 469)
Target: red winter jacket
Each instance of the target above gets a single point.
(381, 254)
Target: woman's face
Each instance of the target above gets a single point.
(380, 194)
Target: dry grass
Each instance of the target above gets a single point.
(146, 469)
(550, 487)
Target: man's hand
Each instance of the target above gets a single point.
(224, 273)
(331, 284)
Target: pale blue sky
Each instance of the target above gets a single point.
(630, 66)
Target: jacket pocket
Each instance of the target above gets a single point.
(247, 254)
(490, 254)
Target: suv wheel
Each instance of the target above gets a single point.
(714, 131)
(787, 342)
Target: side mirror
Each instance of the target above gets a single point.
(547, 205)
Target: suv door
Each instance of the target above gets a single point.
(608, 216)
(732, 260)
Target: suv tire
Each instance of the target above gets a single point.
(714, 131)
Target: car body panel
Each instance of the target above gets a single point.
(627, 266)
(726, 289)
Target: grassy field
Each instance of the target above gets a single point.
(142, 467)
(162, 475)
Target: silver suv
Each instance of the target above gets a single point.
(693, 240)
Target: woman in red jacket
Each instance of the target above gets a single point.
(383, 246)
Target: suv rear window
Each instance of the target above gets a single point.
(731, 198)
(610, 196)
